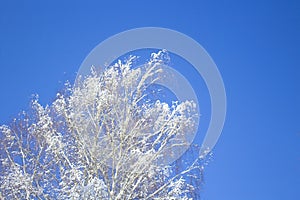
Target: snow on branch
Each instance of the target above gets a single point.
(101, 139)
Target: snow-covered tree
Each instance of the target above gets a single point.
(100, 139)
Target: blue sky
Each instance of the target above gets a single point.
(255, 44)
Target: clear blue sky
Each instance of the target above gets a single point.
(255, 44)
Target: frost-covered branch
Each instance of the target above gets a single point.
(101, 139)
